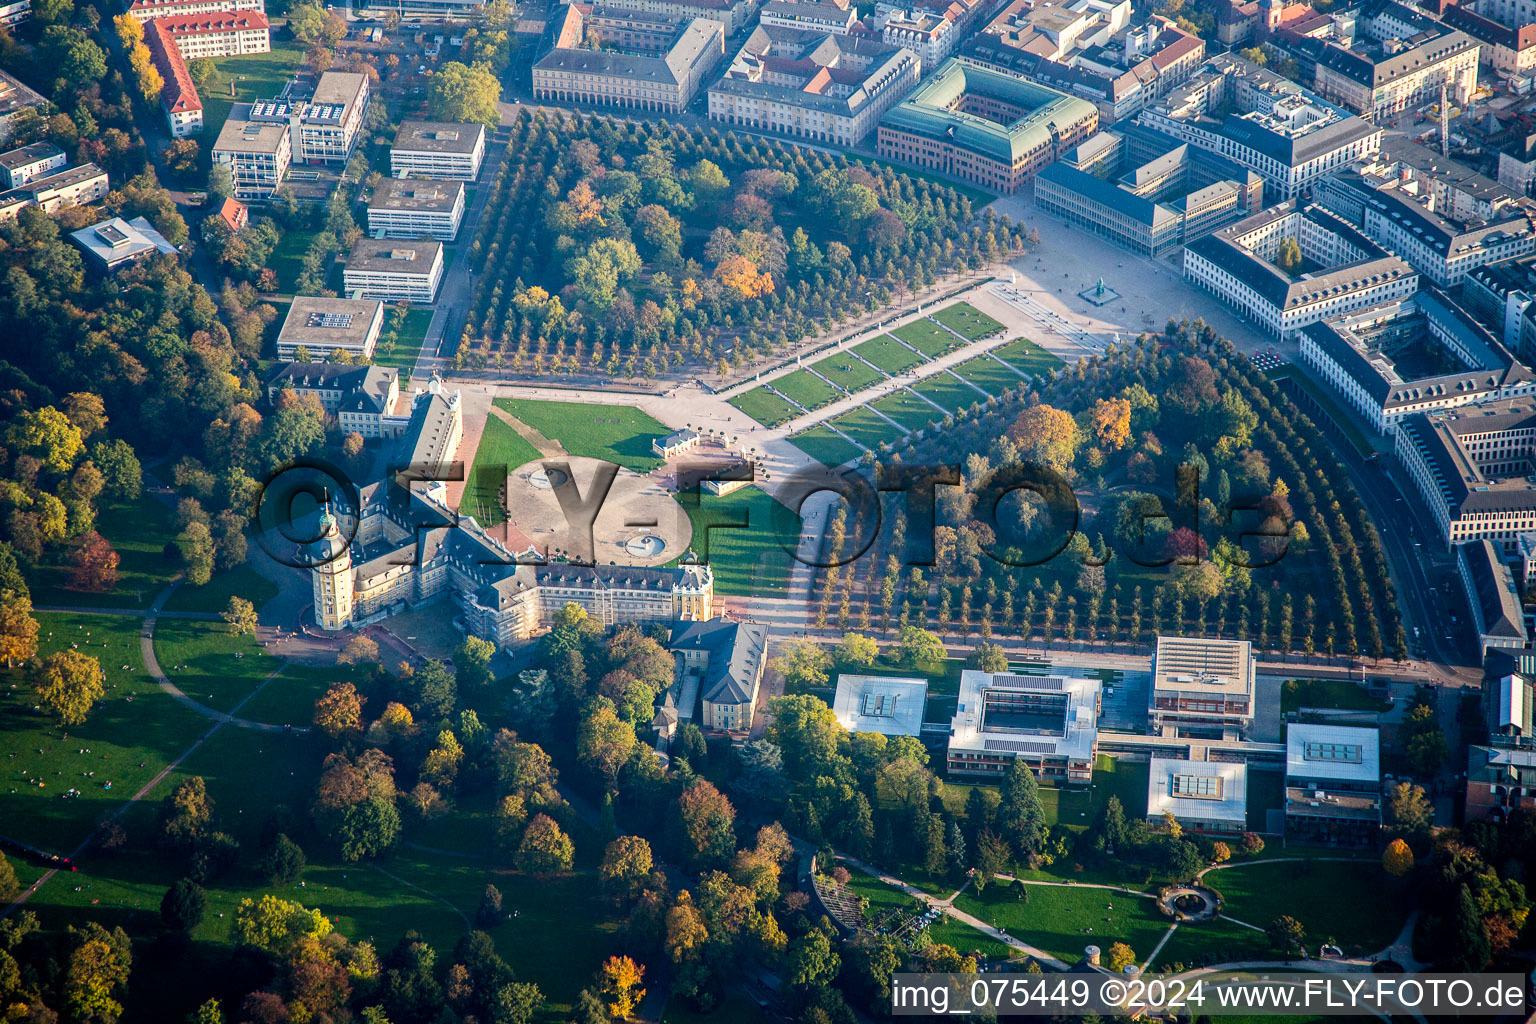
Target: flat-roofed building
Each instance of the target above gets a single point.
(255, 146)
(813, 85)
(1508, 698)
(394, 271)
(408, 208)
(1350, 271)
(73, 186)
(16, 97)
(20, 166)
(437, 149)
(116, 243)
(14, 12)
(321, 326)
(883, 704)
(984, 126)
(325, 127)
(1332, 784)
(1202, 687)
(1048, 721)
(1207, 796)
(628, 58)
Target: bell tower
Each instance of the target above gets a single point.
(331, 574)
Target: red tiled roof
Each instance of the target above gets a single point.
(233, 212)
(222, 21)
(180, 95)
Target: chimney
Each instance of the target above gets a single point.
(1091, 955)
(1130, 971)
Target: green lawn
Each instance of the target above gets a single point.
(889, 354)
(241, 581)
(885, 902)
(289, 699)
(200, 658)
(948, 392)
(908, 410)
(765, 407)
(746, 560)
(620, 434)
(867, 429)
(408, 346)
(806, 389)
(965, 319)
(927, 337)
(988, 374)
(825, 447)
(255, 76)
(1061, 920)
(847, 372)
(1345, 694)
(1028, 357)
(138, 533)
(1353, 904)
(135, 724)
(1216, 941)
(501, 450)
(288, 258)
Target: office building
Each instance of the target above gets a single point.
(436, 149)
(325, 126)
(1508, 698)
(827, 16)
(412, 209)
(1048, 721)
(1206, 796)
(812, 85)
(320, 326)
(931, 29)
(1506, 30)
(1500, 780)
(627, 58)
(883, 704)
(985, 126)
(394, 271)
(1332, 785)
(1202, 688)
(735, 15)
(254, 145)
(1498, 619)
(116, 243)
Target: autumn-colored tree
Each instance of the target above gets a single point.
(18, 629)
(1220, 852)
(241, 616)
(545, 850)
(340, 712)
(705, 819)
(686, 934)
(626, 865)
(360, 650)
(95, 564)
(604, 743)
(68, 683)
(618, 982)
(1046, 434)
(1119, 957)
(1397, 859)
(1111, 421)
(742, 276)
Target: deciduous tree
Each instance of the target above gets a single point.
(68, 683)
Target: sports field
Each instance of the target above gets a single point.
(826, 447)
(806, 388)
(889, 354)
(927, 337)
(964, 318)
(950, 393)
(619, 434)
(765, 407)
(500, 451)
(988, 374)
(1029, 358)
(847, 371)
(866, 429)
(908, 410)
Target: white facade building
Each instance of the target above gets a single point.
(437, 149)
(416, 209)
(394, 271)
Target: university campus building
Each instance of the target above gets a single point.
(1202, 688)
(409, 209)
(1207, 796)
(1048, 721)
(437, 149)
(260, 141)
(362, 398)
(394, 271)
(983, 125)
(1332, 784)
(628, 58)
(174, 35)
(812, 85)
(321, 326)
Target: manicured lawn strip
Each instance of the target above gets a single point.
(138, 532)
(1028, 357)
(199, 657)
(501, 450)
(948, 392)
(968, 941)
(287, 260)
(1216, 941)
(867, 429)
(889, 354)
(988, 374)
(121, 733)
(908, 410)
(1266, 791)
(765, 407)
(826, 447)
(887, 902)
(747, 560)
(806, 388)
(241, 581)
(1063, 919)
(964, 318)
(413, 332)
(620, 434)
(1328, 693)
(1353, 904)
(927, 337)
(847, 372)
